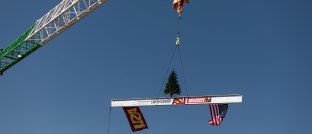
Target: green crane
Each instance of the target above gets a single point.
(56, 21)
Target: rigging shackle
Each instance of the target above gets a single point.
(178, 41)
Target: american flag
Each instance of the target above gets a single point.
(217, 112)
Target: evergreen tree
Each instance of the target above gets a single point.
(172, 86)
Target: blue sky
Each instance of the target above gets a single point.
(258, 48)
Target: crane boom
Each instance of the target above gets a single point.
(57, 20)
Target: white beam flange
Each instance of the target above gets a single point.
(193, 100)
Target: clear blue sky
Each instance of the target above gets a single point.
(258, 48)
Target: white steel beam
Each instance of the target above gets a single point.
(194, 100)
(60, 18)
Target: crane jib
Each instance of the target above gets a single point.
(52, 24)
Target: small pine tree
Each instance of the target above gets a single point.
(172, 86)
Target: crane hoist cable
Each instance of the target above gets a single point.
(178, 5)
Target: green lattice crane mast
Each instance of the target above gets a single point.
(57, 20)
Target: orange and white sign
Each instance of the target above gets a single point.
(198, 100)
(179, 101)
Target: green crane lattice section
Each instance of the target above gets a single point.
(16, 51)
(56, 21)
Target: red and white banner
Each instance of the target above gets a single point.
(198, 100)
(135, 118)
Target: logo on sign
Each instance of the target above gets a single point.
(178, 101)
(198, 100)
(161, 101)
(143, 101)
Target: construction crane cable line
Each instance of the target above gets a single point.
(178, 43)
(183, 72)
(180, 53)
(167, 71)
(109, 120)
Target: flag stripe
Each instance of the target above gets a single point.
(211, 115)
(215, 116)
(216, 108)
(218, 115)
